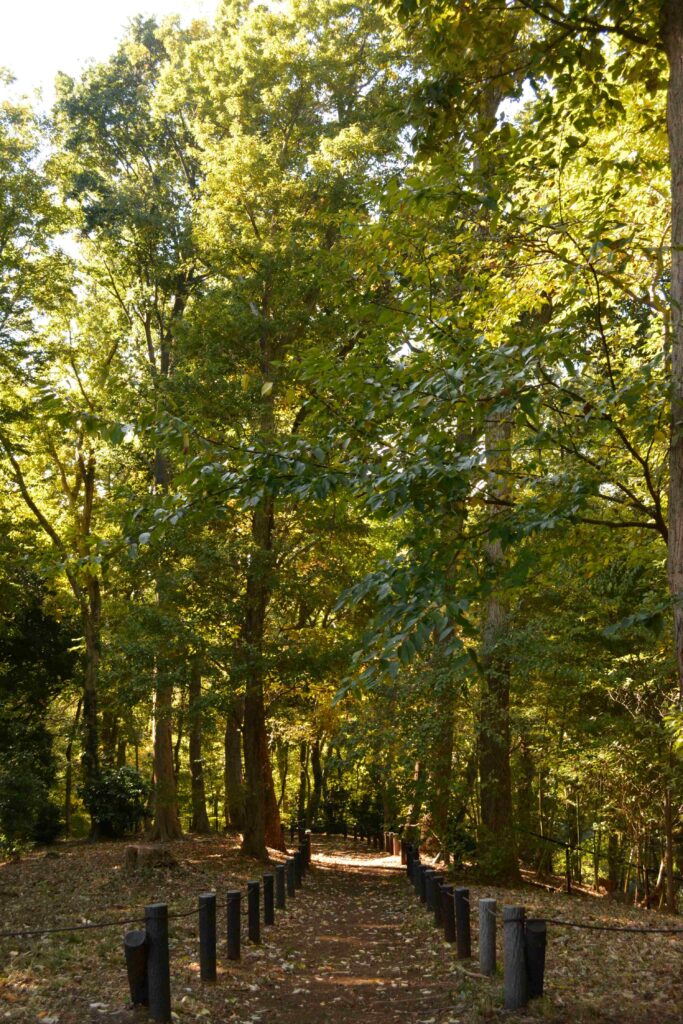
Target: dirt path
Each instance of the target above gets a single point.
(355, 948)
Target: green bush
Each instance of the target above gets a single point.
(49, 824)
(116, 801)
(26, 774)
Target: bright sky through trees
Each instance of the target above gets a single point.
(40, 38)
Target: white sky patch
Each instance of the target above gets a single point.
(41, 37)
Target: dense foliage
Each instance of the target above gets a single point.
(338, 351)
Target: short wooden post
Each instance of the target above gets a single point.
(429, 888)
(135, 951)
(404, 852)
(308, 847)
(290, 866)
(535, 940)
(280, 884)
(448, 913)
(423, 882)
(269, 899)
(298, 868)
(462, 923)
(397, 848)
(487, 936)
(253, 917)
(207, 936)
(514, 959)
(437, 881)
(158, 963)
(234, 904)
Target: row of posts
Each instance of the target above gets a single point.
(524, 939)
(147, 950)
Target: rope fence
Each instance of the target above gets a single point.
(146, 949)
(524, 938)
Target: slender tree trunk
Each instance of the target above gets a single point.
(672, 26)
(166, 820)
(412, 823)
(91, 609)
(318, 784)
(497, 840)
(200, 819)
(283, 768)
(234, 784)
(261, 814)
(669, 852)
(303, 781)
(68, 779)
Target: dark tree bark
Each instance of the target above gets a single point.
(200, 819)
(68, 780)
(672, 33)
(318, 783)
(166, 820)
(497, 840)
(303, 781)
(442, 772)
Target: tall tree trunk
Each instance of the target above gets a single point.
(303, 782)
(672, 32)
(669, 852)
(496, 841)
(283, 768)
(261, 814)
(200, 819)
(412, 824)
(68, 779)
(166, 820)
(91, 609)
(234, 783)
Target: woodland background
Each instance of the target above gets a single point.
(340, 474)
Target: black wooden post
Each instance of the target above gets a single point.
(280, 883)
(158, 964)
(535, 938)
(514, 959)
(462, 923)
(487, 936)
(207, 936)
(423, 882)
(268, 899)
(437, 881)
(404, 852)
(253, 919)
(448, 913)
(135, 951)
(290, 867)
(298, 869)
(429, 888)
(308, 847)
(234, 924)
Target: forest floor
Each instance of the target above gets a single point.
(354, 947)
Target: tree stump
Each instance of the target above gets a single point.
(153, 856)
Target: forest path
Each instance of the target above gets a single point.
(352, 947)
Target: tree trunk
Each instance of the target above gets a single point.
(68, 780)
(412, 824)
(318, 784)
(234, 786)
(303, 781)
(91, 608)
(669, 852)
(166, 821)
(497, 841)
(200, 819)
(261, 814)
(283, 768)
(672, 32)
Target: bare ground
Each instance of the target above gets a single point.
(354, 946)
